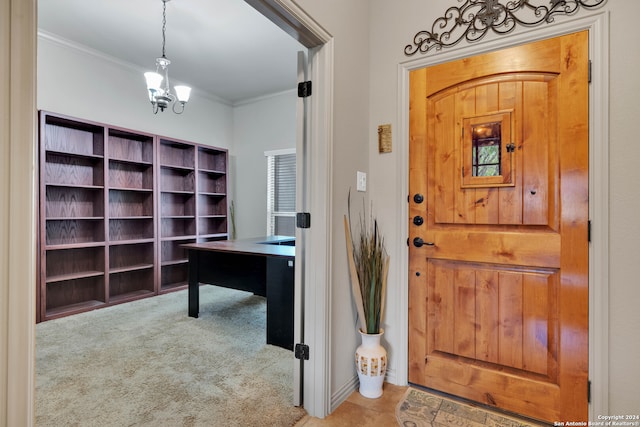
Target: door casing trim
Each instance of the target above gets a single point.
(598, 26)
(316, 387)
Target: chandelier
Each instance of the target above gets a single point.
(159, 92)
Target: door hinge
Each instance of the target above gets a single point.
(301, 352)
(589, 391)
(303, 220)
(589, 231)
(589, 77)
(304, 89)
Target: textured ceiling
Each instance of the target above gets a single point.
(223, 47)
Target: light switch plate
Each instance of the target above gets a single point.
(361, 181)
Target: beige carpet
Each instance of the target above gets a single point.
(419, 408)
(146, 363)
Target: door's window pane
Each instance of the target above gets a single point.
(486, 149)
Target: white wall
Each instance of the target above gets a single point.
(624, 281)
(87, 85)
(369, 39)
(267, 123)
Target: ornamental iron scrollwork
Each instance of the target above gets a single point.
(472, 20)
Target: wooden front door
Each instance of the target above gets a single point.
(498, 280)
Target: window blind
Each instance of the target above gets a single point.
(281, 194)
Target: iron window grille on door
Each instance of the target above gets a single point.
(281, 192)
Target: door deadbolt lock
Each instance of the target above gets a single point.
(418, 220)
(418, 198)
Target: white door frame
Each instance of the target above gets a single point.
(316, 253)
(598, 26)
(18, 179)
(18, 127)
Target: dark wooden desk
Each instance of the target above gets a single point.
(263, 266)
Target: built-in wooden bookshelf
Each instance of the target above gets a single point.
(73, 221)
(212, 194)
(177, 161)
(115, 207)
(131, 201)
(193, 204)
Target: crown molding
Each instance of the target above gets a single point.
(94, 53)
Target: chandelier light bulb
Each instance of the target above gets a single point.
(154, 82)
(183, 93)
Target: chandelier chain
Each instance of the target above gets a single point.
(164, 25)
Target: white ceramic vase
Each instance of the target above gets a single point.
(371, 363)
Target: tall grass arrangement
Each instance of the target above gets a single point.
(368, 267)
(232, 214)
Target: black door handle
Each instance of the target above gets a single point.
(418, 242)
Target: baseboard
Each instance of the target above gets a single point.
(352, 384)
(391, 377)
(344, 392)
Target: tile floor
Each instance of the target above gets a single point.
(359, 411)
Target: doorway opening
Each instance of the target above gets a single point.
(287, 14)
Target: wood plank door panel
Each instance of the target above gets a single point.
(498, 308)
